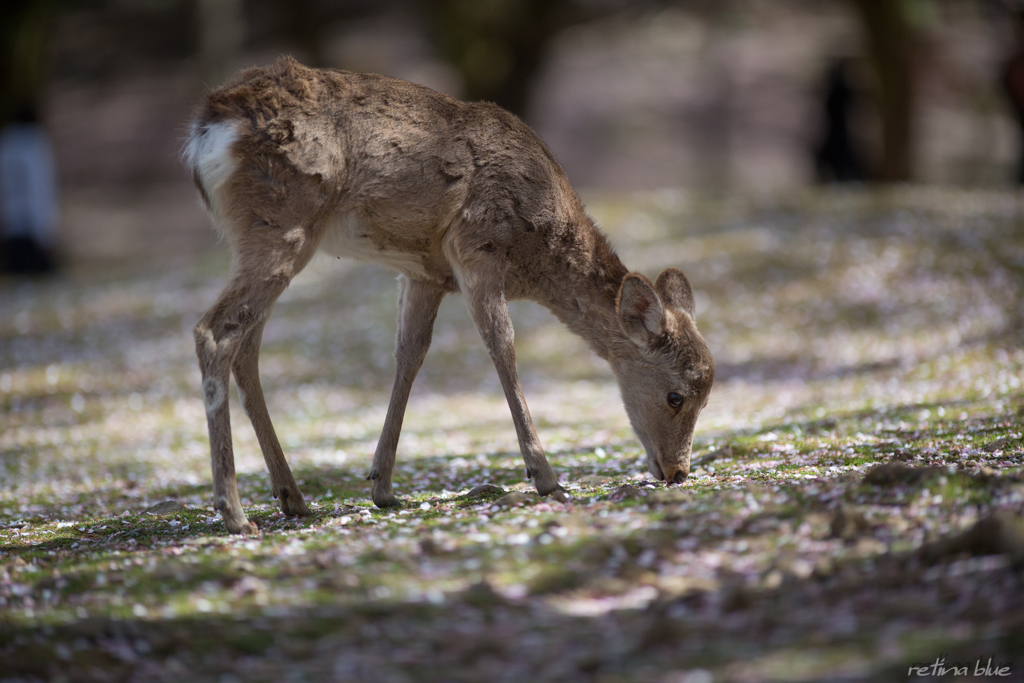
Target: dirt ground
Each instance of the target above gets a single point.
(854, 512)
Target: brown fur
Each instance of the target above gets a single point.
(457, 197)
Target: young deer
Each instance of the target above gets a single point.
(456, 197)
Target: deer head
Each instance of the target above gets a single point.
(664, 369)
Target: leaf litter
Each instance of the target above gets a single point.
(854, 508)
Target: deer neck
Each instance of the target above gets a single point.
(583, 296)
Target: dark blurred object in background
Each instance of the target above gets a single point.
(28, 196)
(1013, 81)
(686, 95)
(28, 181)
(498, 46)
(25, 30)
(891, 29)
(837, 158)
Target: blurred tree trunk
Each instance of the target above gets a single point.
(498, 45)
(891, 42)
(25, 28)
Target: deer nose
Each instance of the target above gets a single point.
(670, 473)
(675, 475)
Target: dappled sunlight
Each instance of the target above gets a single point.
(866, 421)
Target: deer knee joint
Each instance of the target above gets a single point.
(206, 345)
(214, 394)
(281, 277)
(244, 318)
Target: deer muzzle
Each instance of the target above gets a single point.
(672, 473)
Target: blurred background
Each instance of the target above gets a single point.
(702, 96)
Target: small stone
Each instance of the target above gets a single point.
(515, 499)
(429, 546)
(997, 445)
(754, 487)
(205, 540)
(773, 579)
(625, 492)
(985, 473)
(848, 524)
(165, 508)
(823, 568)
(895, 472)
(868, 546)
(1000, 533)
(669, 496)
(737, 597)
(484, 490)
(482, 595)
(594, 480)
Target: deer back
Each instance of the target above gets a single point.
(396, 170)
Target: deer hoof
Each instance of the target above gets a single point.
(384, 497)
(386, 501)
(560, 495)
(290, 499)
(294, 506)
(546, 488)
(244, 527)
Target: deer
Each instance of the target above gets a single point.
(456, 197)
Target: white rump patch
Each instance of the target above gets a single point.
(208, 155)
(213, 394)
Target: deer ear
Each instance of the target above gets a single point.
(641, 312)
(675, 291)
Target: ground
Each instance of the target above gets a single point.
(854, 512)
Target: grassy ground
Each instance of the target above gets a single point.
(856, 509)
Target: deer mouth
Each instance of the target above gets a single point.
(678, 476)
(654, 468)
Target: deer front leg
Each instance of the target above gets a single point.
(417, 309)
(247, 376)
(486, 299)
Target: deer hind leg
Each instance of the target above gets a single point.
(262, 269)
(247, 377)
(484, 290)
(417, 309)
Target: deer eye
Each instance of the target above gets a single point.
(675, 400)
